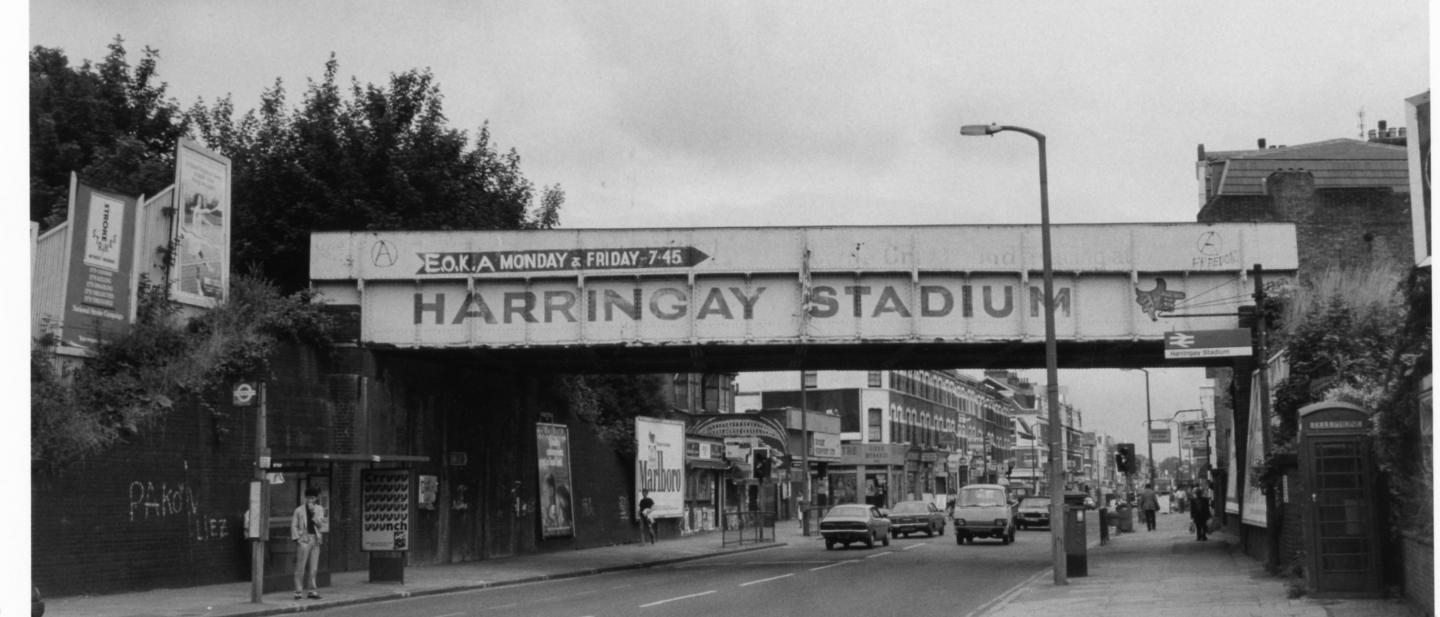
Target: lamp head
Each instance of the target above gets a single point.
(979, 129)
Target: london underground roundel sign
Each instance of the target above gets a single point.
(244, 394)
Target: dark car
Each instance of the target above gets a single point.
(1033, 512)
(909, 517)
(855, 522)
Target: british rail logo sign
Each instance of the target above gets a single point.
(1207, 344)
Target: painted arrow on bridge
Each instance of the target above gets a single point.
(487, 262)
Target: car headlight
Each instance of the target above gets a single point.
(1001, 521)
(959, 521)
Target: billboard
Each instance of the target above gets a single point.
(780, 286)
(200, 274)
(557, 514)
(385, 510)
(660, 464)
(101, 273)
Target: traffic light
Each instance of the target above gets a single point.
(762, 463)
(1125, 457)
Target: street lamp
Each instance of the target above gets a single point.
(1052, 386)
(1149, 443)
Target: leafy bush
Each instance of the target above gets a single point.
(132, 382)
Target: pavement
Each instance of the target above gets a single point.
(1165, 573)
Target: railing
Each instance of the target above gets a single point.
(742, 527)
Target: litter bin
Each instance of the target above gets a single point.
(1126, 516)
(1075, 558)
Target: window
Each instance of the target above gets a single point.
(875, 379)
(874, 425)
(808, 380)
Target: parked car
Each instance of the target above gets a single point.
(984, 511)
(909, 517)
(855, 522)
(1033, 511)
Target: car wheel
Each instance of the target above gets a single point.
(970, 540)
(885, 540)
(870, 541)
(1007, 538)
(829, 545)
(959, 540)
(929, 532)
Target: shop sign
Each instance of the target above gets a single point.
(825, 446)
(873, 454)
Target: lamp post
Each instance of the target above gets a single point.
(1052, 386)
(1149, 444)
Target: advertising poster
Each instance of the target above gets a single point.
(101, 276)
(1253, 508)
(385, 510)
(556, 512)
(201, 272)
(660, 464)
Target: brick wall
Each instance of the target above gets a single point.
(165, 510)
(1418, 555)
(1333, 227)
(161, 510)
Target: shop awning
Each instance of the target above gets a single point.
(701, 463)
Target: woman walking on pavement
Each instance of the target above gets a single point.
(1200, 512)
(1149, 504)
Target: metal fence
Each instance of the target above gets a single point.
(751, 527)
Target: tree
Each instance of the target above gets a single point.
(109, 122)
(380, 158)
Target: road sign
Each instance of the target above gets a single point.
(1207, 344)
(244, 394)
(1160, 435)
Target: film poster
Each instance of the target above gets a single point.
(557, 517)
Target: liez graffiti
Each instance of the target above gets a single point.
(149, 502)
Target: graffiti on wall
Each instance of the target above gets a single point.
(149, 501)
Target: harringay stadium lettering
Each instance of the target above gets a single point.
(672, 303)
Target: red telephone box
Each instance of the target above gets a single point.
(1341, 512)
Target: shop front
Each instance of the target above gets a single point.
(706, 470)
(867, 472)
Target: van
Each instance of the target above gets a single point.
(984, 511)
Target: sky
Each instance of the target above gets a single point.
(690, 114)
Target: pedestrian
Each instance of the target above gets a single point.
(1180, 500)
(1149, 504)
(307, 527)
(647, 524)
(1200, 512)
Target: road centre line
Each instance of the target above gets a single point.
(914, 546)
(766, 580)
(450, 615)
(879, 554)
(693, 595)
(838, 563)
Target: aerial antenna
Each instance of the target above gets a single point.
(1362, 122)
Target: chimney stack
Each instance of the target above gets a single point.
(1382, 128)
(1261, 142)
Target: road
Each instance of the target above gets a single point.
(913, 576)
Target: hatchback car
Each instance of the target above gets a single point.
(983, 511)
(909, 517)
(1033, 512)
(855, 522)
